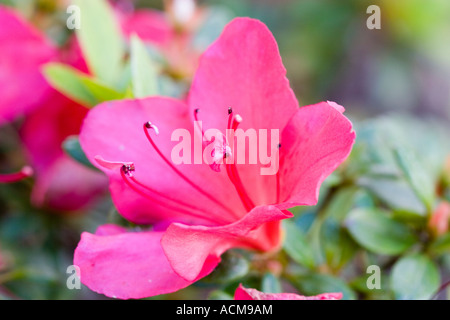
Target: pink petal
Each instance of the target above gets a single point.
(127, 265)
(189, 247)
(243, 293)
(105, 134)
(150, 25)
(23, 50)
(314, 143)
(243, 70)
(440, 218)
(61, 183)
(67, 185)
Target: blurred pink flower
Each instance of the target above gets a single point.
(61, 183)
(440, 219)
(173, 39)
(198, 213)
(243, 293)
(23, 50)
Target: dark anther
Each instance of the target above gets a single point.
(279, 146)
(197, 110)
(230, 110)
(128, 168)
(148, 125)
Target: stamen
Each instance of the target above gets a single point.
(127, 175)
(236, 122)
(149, 125)
(196, 111)
(15, 177)
(230, 117)
(236, 181)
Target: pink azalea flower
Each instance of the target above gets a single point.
(243, 293)
(198, 213)
(61, 183)
(169, 37)
(23, 50)
(440, 219)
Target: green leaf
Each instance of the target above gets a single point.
(144, 72)
(396, 194)
(67, 80)
(441, 245)
(419, 180)
(414, 277)
(296, 245)
(101, 40)
(232, 267)
(270, 284)
(315, 283)
(73, 148)
(79, 86)
(100, 91)
(219, 295)
(337, 246)
(376, 231)
(341, 204)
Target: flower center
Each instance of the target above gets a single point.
(222, 154)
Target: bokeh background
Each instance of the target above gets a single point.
(394, 83)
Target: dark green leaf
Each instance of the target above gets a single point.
(232, 267)
(337, 246)
(415, 277)
(441, 245)
(296, 245)
(219, 295)
(419, 180)
(376, 231)
(341, 204)
(270, 284)
(397, 194)
(314, 284)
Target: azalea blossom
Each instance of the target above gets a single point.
(197, 213)
(243, 293)
(440, 219)
(170, 32)
(61, 182)
(23, 50)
